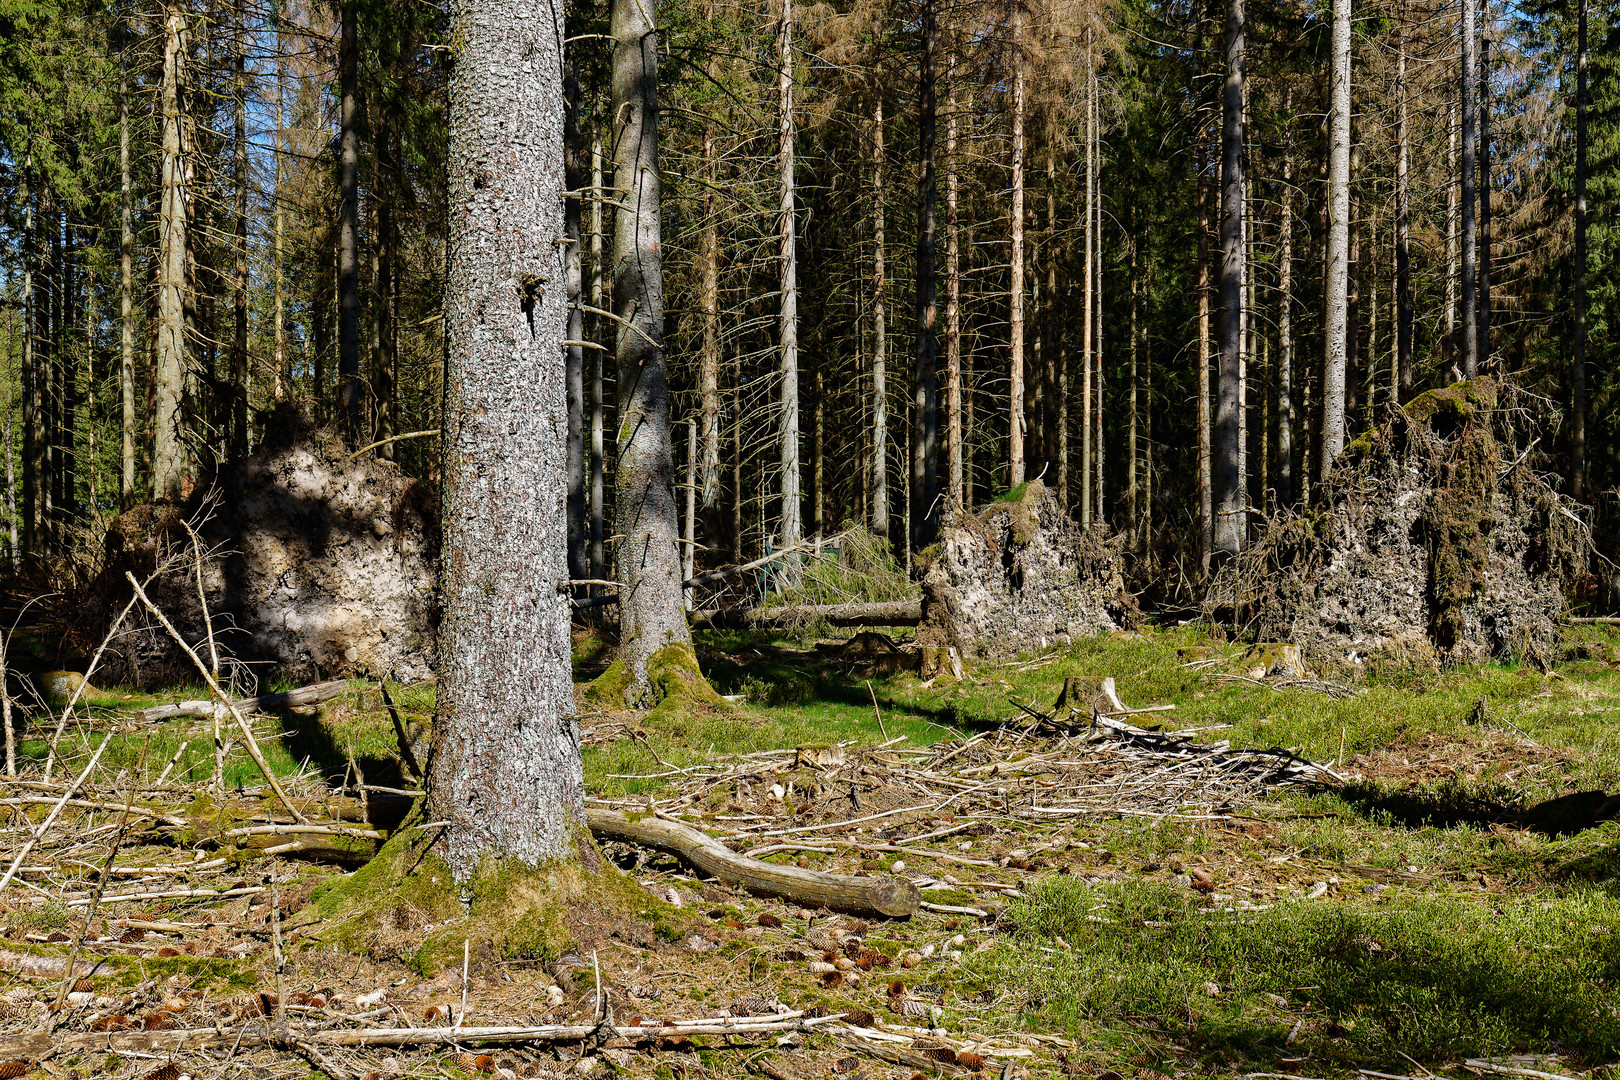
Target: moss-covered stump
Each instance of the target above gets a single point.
(406, 905)
(1433, 542)
(675, 685)
(1020, 574)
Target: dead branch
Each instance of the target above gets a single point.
(313, 694)
(889, 896)
(881, 613)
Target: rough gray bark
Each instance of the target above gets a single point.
(505, 770)
(348, 283)
(1469, 240)
(1285, 332)
(1206, 487)
(1336, 336)
(709, 353)
(791, 528)
(1484, 183)
(652, 609)
(168, 446)
(598, 363)
(1226, 454)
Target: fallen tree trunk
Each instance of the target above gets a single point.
(881, 613)
(890, 896)
(32, 1047)
(304, 695)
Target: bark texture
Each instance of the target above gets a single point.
(1336, 337)
(1227, 452)
(504, 769)
(652, 609)
(168, 447)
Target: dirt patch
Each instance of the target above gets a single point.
(1019, 575)
(1434, 543)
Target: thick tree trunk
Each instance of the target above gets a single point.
(1227, 457)
(168, 446)
(1337, 330)
(505, 771)
(1469, 241)
(1015, 318)
(790, 530)
(574, 351)
(349, 396)
(924, 421)
(1577, 427)
(651, 605)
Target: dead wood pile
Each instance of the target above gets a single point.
(1435, 542)
(1020, 574)
(315, 564)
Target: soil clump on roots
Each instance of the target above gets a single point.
(1020, 574)
(1433, 542)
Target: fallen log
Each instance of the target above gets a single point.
(880, 613)
(890, 896)
(313, 694)
(32, 1047)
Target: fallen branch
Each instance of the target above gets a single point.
(30, 1047)
(889, 896)
(304, 695)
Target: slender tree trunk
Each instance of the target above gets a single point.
(1087, 348)
(1285, 327)
(239, 434)
(1054, 441)
(1228, 450)
(29, 380)
(349, 396)
(1403, 232)
(1470, 239)
(1206, 501)
(126, 282)
(1099, 516)
(1577, 430)
(880, 373)
(574, 351)
(924, 420)
(1336, 359)
(168, 449)
(598, 362)
(953, 299)
(788, 326)
(652, 610)
(1133, 506)
(1452, 345)
(505, 773)
(387, 241)
(1484, 183)
(709, 351)
(1015, 392)
(278, 391)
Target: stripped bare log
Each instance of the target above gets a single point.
(882, 613)
(890, 896)
(313, 694)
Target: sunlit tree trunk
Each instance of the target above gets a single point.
(504, 774)
(126, 283)
(880, 373)
(168, 446)
(953, 300)
(1469, 240)
(1337, 331)
(1403, 232)
(1484, 183)
(239, 434)
(1015, 318)
(790, 529)
(1285, 330)
(574, 352)
(1228, 450)
(652, 609)
(1089, 323)
(598, 568)
(924, 465)
(1577, 429)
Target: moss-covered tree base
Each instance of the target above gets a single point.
(406, 905)
(674, 685)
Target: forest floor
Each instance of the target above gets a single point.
(1130, 906)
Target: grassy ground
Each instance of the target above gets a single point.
(1401, 922)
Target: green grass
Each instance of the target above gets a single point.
(1141, 967)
